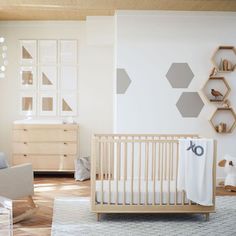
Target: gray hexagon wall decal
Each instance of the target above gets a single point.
(122, 81)
(179, 75)
(190, 104)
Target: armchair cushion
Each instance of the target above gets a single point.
(3, 161)
(16, 182)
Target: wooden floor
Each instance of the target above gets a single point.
(46, 189)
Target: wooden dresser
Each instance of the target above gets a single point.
(49, 147)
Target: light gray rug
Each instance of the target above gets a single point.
(72, 217)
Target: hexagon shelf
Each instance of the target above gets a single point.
(224, 58)
(216, 89)
(223, 120)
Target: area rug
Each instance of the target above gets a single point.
(72, 217)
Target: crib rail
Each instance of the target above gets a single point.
(138, 173)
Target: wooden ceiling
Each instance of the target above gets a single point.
(79, 9)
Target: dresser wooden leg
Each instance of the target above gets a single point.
(207, 216)
(98, 216)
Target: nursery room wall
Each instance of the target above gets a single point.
(148, 44)
(95, 74)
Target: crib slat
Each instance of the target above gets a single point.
(105, 161)
(176, 173)
(154, 171)
(132, 174)
(139, 172)
(146, 172)
(112, 159)
(125, 160)
(161, 174)
(117, 172)
(166, 157)
(99, 161)
(172, 161)
(169, 169)
(159, 161)
(109, 172)
(125, 172)
(102, 174)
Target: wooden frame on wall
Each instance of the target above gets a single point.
(51, 73)
(47, 51)
(47, 77)
(28, 103)
(28, 52)
(68, 52)
(28, 78)
(68, 104)
(47, 104)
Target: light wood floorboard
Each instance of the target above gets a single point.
(46, 189)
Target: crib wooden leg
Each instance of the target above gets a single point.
(98, 216)
(207, 216)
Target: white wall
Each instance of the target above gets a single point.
(147, 44)
(95, 113)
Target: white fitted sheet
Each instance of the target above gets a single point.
(128, 192)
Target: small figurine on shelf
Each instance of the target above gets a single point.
(225, 64)
(226, 103)
(221, 128)
(216, 94)
(213, 72)
(230, 66)
(221, 64)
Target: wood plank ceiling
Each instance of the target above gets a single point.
(79, 9)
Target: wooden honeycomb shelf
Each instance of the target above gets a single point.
(217, 65)
(231, 126)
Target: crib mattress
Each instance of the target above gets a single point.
(169, 193)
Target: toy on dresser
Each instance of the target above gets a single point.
(229, 164)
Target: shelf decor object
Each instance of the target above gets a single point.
(221, 125)
(216, 89)
(224, 59)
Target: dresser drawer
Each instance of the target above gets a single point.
(47, 162)
(44, 135)
(59, 148)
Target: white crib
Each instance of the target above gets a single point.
(138, 173)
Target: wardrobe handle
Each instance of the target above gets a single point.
(65, 155)
(65, 143)
(25, 129)
(25, 155)
(25, 143)
(65, 130)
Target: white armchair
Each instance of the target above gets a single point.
(17, 182)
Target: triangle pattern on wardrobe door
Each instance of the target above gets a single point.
(46, 80)
(65, 106)
(26, 54)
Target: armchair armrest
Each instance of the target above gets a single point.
(16, 182)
